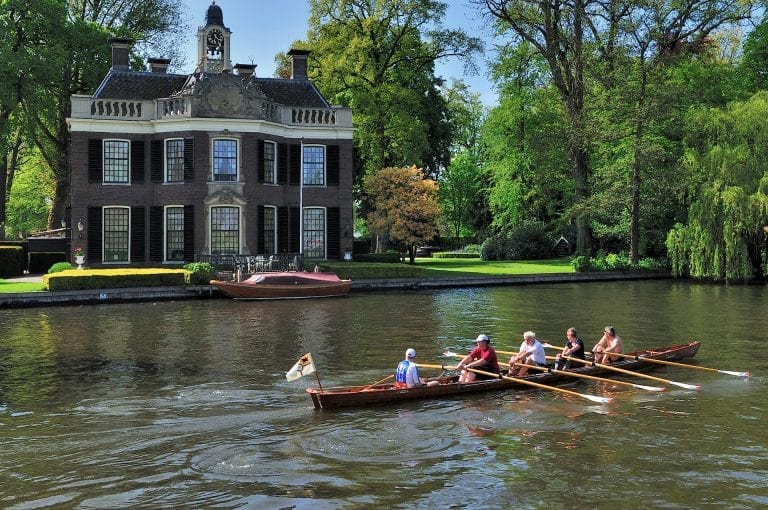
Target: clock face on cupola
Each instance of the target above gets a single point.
(215, 42)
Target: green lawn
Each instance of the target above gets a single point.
(7, 287)
(446, 268)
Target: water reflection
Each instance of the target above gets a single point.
(186, 405)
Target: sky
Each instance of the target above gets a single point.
(263, 28)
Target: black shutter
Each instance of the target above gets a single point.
(156, 233)
(189, 233)
(283, 223)
(294, 230)
(189, 158)
(294, 160)
(156, 161)
(94, 235)
(260, 229)
(137, 161)
(94, 160)
(282, 163)
(260, 161)
(334, 233)
(138, 234)
(332, 165)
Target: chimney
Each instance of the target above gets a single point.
(298, 63)
(121, 46)
(158, 65)
(245, 70)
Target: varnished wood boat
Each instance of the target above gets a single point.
(348, 396)
(286, 285)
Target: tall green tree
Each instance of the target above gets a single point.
(460, 184)
(725, 236)
(377, 57)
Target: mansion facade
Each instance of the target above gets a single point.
(168, 168)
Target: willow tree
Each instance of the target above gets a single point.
(405, 206)
(726, 235)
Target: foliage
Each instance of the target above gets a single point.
(725, 236)
(455, 255)
(200, 273)
(460, 185)
(378, 58)
(88, 279)
(405, 206)
(60, 266)
(40, 262)
(581, 263)
(526, 241)
(617, 262)
(11, 261)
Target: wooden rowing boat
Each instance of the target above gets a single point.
(286, 285)
(328, 398)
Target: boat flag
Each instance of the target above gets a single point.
(304, 366)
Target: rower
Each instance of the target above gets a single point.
(609, 343)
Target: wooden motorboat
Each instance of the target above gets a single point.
(286, 285)
(328, 398)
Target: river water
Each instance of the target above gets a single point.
(185, 404)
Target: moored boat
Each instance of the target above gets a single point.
(328, 398)
(286, 285)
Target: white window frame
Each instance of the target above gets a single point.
(304, 240)
(104, 235)
(166, 178)
(240, 226)
(304, 165)
(273, 208)
(274, 162)
(213, 159)
(104, 180)
(166, 258)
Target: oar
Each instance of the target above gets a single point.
(595, 378)
(593, 398)
(623, 371)
(684, 365)
(442, 367)
(377, 382)
(582, 376)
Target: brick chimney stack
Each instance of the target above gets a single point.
(158, 65)
(298, 63)
(121, 47)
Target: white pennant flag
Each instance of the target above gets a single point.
(303, 367)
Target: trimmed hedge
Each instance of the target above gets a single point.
(89, 279)
(454, 255)
(40, 262)
(388, 258)
(368, 270)
(11, 261)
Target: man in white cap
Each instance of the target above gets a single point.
(482, 357)
(407, 373)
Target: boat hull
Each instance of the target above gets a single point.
(329, 398)
(286, 286)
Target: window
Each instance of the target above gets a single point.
(116, 234)
(270, 149)
(314, 233)
(225, 160)
(225, 230)
(117, 161)
(314, 165)
(174, 160)
(270, 217)
(174, 233)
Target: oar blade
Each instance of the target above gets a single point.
(649, 388)
(450, 354)
(595, 398)
(737, 374)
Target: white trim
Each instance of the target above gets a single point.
(325, 228)
(241, 226)
(325, 164)
(103, 159)
(229, 138)
(103, 241)
(141, 127)
(274, 160)
(166, 260)
(274, 228)
(165, 159)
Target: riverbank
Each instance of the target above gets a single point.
(105, 296)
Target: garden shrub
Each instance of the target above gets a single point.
(11, 261)
(60, 266)
(199, 273)
(580, 264)
(39, 262)
(527, 241)
(89, 279)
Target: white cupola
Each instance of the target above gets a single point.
(213, 40)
